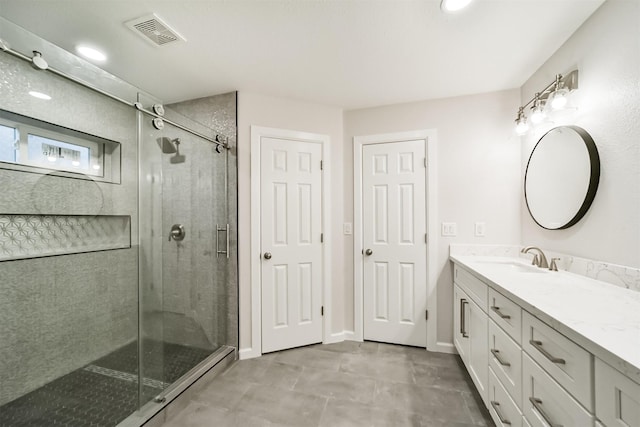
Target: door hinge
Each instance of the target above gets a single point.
(321, 237)
(322, 311)
(426, 315)
(321, 165)
(425, 162)
(426, 238)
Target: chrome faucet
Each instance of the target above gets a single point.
(538, 259)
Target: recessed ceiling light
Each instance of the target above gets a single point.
(454, 5)
(39, 95)
(91, 53)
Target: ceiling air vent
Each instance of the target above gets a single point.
(155, 30)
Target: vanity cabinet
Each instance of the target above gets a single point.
(528, 373)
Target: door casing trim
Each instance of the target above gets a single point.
(257, 133)
(430, 138)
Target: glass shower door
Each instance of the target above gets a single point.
(184, 220)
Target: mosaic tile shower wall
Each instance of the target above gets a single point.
(31, 236)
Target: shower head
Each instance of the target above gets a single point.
(178, 158)
(166, 145)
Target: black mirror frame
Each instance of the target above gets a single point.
(594, 180)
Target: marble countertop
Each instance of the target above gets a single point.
(601, 317)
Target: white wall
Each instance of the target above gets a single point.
(606, 51)
(479, 176)
(268, 111)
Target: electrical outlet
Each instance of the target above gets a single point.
(480, 229)
(347, 228)
(449, 229)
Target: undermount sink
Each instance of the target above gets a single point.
(514, 266)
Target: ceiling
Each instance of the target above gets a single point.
(346, 53)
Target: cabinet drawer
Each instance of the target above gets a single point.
(617, 397)
(553, 405)
(474, 287)
(507, 314)
(502, 408)
(568, 363)
(505, 358)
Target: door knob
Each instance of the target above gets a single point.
(368, 252)
(267, 255)
(177, 232)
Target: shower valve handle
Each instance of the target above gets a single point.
(177, 232)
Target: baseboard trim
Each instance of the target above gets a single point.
(350, 336)
(341, 336)
(248, 353)
(334, 338)
(444, 347)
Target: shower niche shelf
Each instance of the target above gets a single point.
(34, 236)
(31, 145)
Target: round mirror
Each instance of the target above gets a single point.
(562, 177)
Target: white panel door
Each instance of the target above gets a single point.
(394, 230)
(291, 190)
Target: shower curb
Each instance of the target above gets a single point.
(155, 414)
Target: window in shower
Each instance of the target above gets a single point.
(31, 145)
(8, 144)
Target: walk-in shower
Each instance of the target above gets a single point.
(118, 247)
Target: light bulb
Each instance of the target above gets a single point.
(522, 127)
(454, 5)
(51, 159)
(537, 114)
(75, 163)
(559, 99)
(96, 167)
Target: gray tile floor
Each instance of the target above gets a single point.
(344, 384)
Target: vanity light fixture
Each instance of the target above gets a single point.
(554, 96)
(521, 122)
(449, 6)
(537, 110)
(558, 99)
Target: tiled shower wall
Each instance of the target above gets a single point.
(59, 313)
(205, 187)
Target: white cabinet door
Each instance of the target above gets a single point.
(478, 348)
(291, 207)
(460, 323)
(394, 230)
(617, 397)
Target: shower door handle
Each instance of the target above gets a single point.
(218, 251)
(177, 232)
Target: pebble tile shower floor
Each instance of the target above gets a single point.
(348, 384)
(104, 392)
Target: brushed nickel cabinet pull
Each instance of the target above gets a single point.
(499, 313)
(538, 346)
(496, 406)
(537, 404)
(463, 319)
(496, 354)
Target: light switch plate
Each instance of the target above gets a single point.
(479, 229)
(449, 229)
(347, 228)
